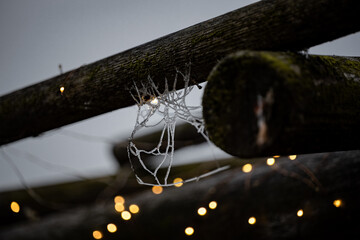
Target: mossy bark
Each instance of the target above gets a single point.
(270, 103)
(103, 86)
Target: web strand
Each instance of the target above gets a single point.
(165, 110)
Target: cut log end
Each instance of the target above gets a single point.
(266, 103)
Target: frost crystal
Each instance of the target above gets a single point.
(169, 107)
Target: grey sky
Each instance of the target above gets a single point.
(38, 35)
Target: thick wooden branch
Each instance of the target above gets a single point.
(272, 195)
(269, 103)
(103, 86)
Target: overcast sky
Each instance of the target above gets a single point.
(36, 36)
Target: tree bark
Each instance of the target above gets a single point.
(273, 195)
(103, 86)
(273, 103)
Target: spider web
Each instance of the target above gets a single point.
(162, 110)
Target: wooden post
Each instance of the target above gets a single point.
(270, 103)
(103, 86)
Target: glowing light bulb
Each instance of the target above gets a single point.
(111, 227)
(62, 89)
(154, 101)
(119, 207)
(247, 168)
(212, 205)
(276, 156)
(15, 207)
(270, 161)
(134, 208)
(126, 215)
(337, 203)
(119, 199)
(202, 211)
(157, 189)
(292, 157)
(300, 213)
(97, 234)
(189, 231)
(178, 182)
(252, 220)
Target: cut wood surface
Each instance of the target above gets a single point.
(271, 194)
(103, 86)
(274, 103)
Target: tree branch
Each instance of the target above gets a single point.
(103, 86)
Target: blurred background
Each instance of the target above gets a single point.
(37, 36)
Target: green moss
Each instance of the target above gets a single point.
(305, 87)
(201, 38)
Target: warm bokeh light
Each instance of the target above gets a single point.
(97, 234)
(300, 213)
(270, 161)
(189, 231)
(252, 220)
(202, 211)
(212, 205)
(119, 199)
(15, 207)
(337, 203)
(157, 189)
(111, 227)
(247, 168)
(62, 89)
(292, 157)
(119, 207)
(126, 215)
(178, 182)
(154, 101)
(134, 208)
(276, 156)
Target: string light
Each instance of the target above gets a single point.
(247, 168)
(276, 156)
(119, 199)
(270, 161)
(126, 215)
(97, 234)
(154, 101)
(62, 89)
(111, 227)
(157, 189)
(202, 211)
(178, 182)
(292, 157)
(189, 231)
(300, 213)
(252, 220)
(212, 205)
(134, 208)
(337, 203)
(119, 207)
(15, 207)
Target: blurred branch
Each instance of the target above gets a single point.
(271, 197)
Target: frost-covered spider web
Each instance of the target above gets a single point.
(162, 110)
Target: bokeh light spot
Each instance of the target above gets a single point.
(15, 207)
(134, 208)
(247, 168)
(126, 215)
(189, 231)
(157, 189)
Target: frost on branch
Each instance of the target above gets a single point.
(162, 110)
